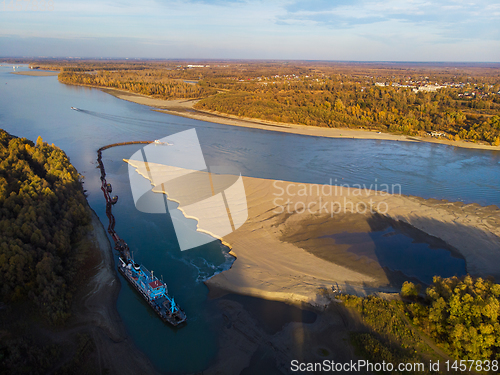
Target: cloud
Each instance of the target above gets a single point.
(444, 16)
(318, 5)
(313, 29)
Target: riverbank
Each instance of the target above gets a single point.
(117, 352)
(37, 73)
(95, 312)
(93, 339)
(249, 345)
(243, 337)
(184, 108)
(269, 265)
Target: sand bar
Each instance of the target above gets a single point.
(268, 266)
(37, 73)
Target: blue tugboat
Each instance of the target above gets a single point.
(154, 291)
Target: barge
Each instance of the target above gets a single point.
(154, 291)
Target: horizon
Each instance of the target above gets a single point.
(27, 59)
(316, 179)
(283, 30)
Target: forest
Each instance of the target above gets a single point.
(460, 315)
(43, 213)
(334, 103)
(462, 102)
(143, 82)
(463, 315)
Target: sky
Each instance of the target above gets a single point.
(338, 30)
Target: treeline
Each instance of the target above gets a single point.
(390, 339)
(42, 214)
(461, 315)
(342, 103)
(104, 67)
(152, 83)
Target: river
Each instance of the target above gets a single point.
(40, 106)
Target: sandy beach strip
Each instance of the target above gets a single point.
(37, 73)
(268, 266)
(184, 108)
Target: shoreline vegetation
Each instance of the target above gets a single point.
(185, 108)
(59, 287)
(43, 215)
(92, 340)
(454, 319)
(458, 106)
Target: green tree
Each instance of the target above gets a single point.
(410, 290)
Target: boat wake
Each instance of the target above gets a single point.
(206, 269)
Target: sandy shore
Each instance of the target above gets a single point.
(270, 265)
(96, 313)
(246, 341)
(37, 73)
(242, 335)
(184, 108)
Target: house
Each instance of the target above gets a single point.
(438, 134)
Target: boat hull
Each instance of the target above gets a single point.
(156, 304)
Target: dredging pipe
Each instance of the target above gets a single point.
(120, 244)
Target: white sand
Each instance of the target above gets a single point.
(269, 268)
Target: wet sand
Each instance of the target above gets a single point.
(269, 265)
(247, 346)
(356, 240)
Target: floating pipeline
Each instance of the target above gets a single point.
(154, 291)
(120, 244)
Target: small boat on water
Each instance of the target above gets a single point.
(74, 108)
(158, 142)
